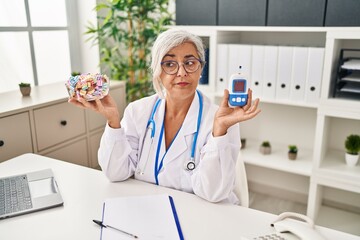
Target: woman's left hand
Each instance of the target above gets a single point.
(227, 116)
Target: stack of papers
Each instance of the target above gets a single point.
(351, 87)
(146, 217)
(354, 76)
(353, 64)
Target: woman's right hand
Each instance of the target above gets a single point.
(105, 106)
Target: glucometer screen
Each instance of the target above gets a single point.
(239, 86)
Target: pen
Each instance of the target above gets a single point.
(100, 223)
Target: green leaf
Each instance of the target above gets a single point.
(148, 18)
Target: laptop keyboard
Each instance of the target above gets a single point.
(14, 194)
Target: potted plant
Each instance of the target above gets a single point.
(265, 147)
(25, 88)
(352, 146)
(125, 33)
(292, 153)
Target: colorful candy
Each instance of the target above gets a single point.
(89, 86)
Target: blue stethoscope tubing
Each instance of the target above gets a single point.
(189, 165)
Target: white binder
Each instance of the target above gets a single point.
(314, 74)
(257, 67)
(283, 81)
(270, 72)
(239, 56)
(222, 68)
(299, 71)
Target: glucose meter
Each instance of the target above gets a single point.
(238, 90)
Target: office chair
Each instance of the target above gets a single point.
(241, 185)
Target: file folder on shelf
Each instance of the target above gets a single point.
(204, 79)
(222, 67)
(147, 217)
(283, 81)
(314, 74)
(299, 70)
(270, 72)
(239, 59)
(257, 69)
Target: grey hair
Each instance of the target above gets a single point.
(163, 44)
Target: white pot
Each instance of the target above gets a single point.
(351, 160)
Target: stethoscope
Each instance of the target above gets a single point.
(188, 165)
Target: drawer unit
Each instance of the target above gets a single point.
(46, 124)
(15, 136)
(75, 152)
(57, 123)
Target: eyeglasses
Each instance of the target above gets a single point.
(172, 67)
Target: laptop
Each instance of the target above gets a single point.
(28, 192)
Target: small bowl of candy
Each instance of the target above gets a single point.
(88, 86)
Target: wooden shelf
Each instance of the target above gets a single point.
(338, 219)
(278, 159)
(272, 101)
(319, 126)
(334, 171)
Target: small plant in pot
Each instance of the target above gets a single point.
(292, 153)
(265, 147)
(352, 146)
(25, 88)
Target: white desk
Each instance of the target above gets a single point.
(84, 189)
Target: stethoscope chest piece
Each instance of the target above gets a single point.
(190, 165)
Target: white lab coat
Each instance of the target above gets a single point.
(126, 152)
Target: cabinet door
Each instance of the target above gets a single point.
(342, 13)
(58, 123)
(242, 13)
(15, 136)
(98, 121)
(199, 12)
(296, 13)
(75, 152)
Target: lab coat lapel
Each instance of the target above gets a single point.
(188, 128)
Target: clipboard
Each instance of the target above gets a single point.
(148, 217)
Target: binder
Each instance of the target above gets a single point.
(205, 72)
(314, 74)
(283, 80)
(222, 67)
(270, 71)
(257, 67)
(239, 60)
(299, 71)
(147, 217)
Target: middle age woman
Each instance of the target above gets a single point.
(176, 138)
